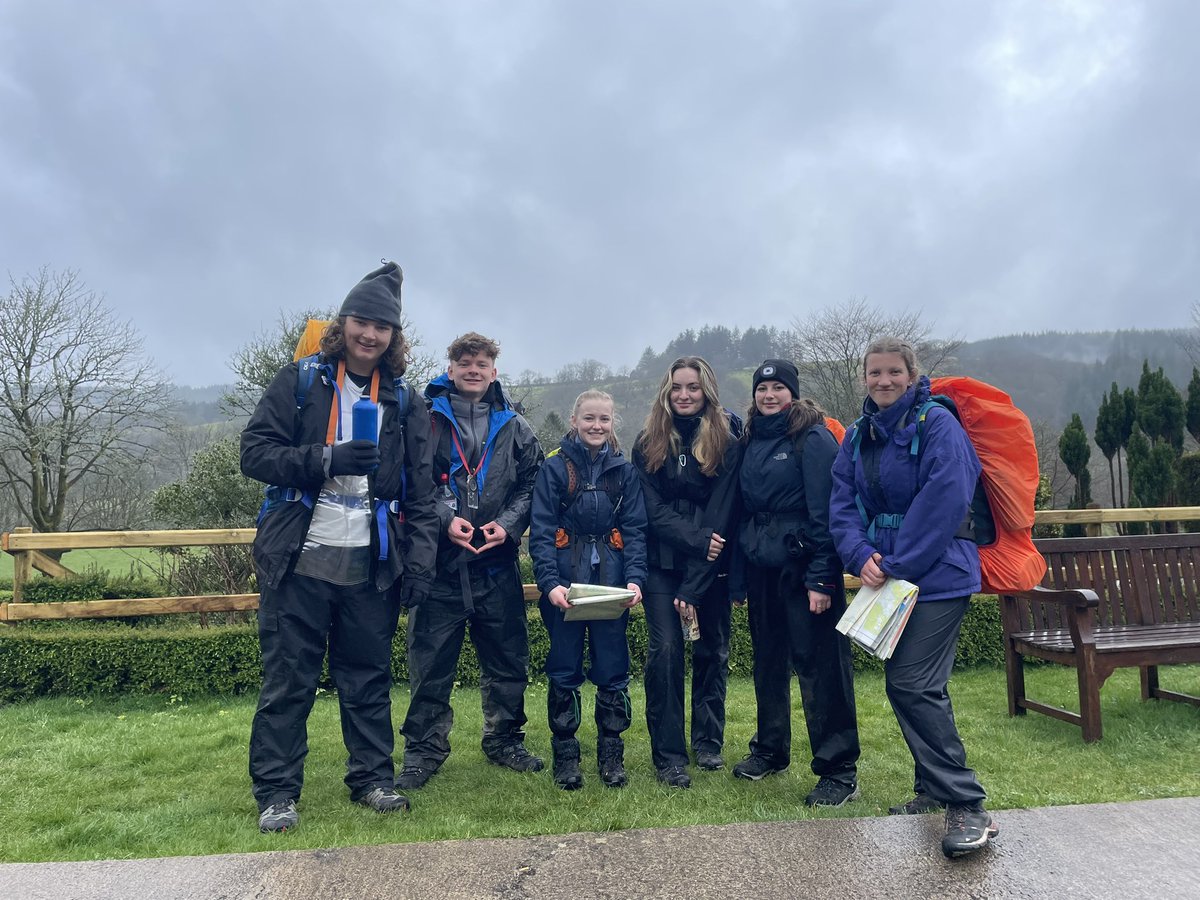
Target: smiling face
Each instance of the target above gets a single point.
(887, 378)
(687, 396)
(472, 374)
(771, 397)
(366, 342)
(593, 422)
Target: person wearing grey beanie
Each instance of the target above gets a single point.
(376, 296)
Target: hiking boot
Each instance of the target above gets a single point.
(412, 778)
(384, 800)
(709, 761)
(610, 760)
(917, 806)
(756, 768)
(674, 776)
(281, 816)
(566, 764)
(831, 793)
(968, 828)
(517, 758)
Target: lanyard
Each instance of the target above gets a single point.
(333, 432)
(472, 474)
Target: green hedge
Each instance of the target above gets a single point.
(225, 660)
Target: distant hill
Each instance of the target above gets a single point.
(1050, 375)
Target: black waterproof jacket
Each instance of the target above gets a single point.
(282, 446)
(774, 482)
(684, 507)
(508, 468)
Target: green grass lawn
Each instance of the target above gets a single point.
(138, 777)
(117, 561)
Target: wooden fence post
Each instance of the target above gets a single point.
(22, 567)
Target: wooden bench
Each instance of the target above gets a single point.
(1106, 603)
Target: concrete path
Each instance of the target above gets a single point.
(1119, 850)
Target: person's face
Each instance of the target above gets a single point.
(594, 423)
(366, 342)
(472, 375)
(771, 397)
(686, 397)
(887, 378)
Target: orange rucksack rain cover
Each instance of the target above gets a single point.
(310, 341)
(836, 428)
(1003, 440)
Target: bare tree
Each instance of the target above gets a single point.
(257, 362)
(79, 399)
(1190, 341)
(828, 348)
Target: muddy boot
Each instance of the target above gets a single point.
(610, 759)
(566, 764)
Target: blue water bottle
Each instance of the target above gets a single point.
(365, 417)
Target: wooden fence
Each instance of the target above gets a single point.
(28, 551)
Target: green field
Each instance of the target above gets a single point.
(116, 561)
(164, 776)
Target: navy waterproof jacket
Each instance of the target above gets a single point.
(932, 490)
(591, 514)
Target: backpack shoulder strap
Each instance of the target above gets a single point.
(307, 368)
(572, 482)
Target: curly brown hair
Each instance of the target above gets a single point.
(472, 344)
(333, 345)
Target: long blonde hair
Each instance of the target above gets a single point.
(661, 439)
(594, 394)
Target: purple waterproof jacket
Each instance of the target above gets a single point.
(931, 490)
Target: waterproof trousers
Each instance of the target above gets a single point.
(916, 678)
(608, 655)
(500, 634)
(787, 638)
(296, 621)
(665, 670)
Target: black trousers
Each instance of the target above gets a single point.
(295, 623)
(916, 677)
(665, 670)
(787, 637)
(500, 632)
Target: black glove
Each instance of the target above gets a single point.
(354, 458)
(412, 592)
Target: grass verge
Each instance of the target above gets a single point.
(164, 776)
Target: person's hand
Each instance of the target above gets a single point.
(354, 458)
(558, 597)
(872, 575)
(686, 610)
(818, 602)
(413, 592)
(715, 545)
(636, 598)
(738, 601)
(493, 536)
(460, 532)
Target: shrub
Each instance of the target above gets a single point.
(226, 659)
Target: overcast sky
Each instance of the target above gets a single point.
(583, 179)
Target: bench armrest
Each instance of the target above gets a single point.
(1077, 598)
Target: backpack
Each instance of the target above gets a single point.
(613, 485)
(307, 367)
(1002, 508)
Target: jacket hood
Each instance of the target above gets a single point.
(442, 386)
(894, 422)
